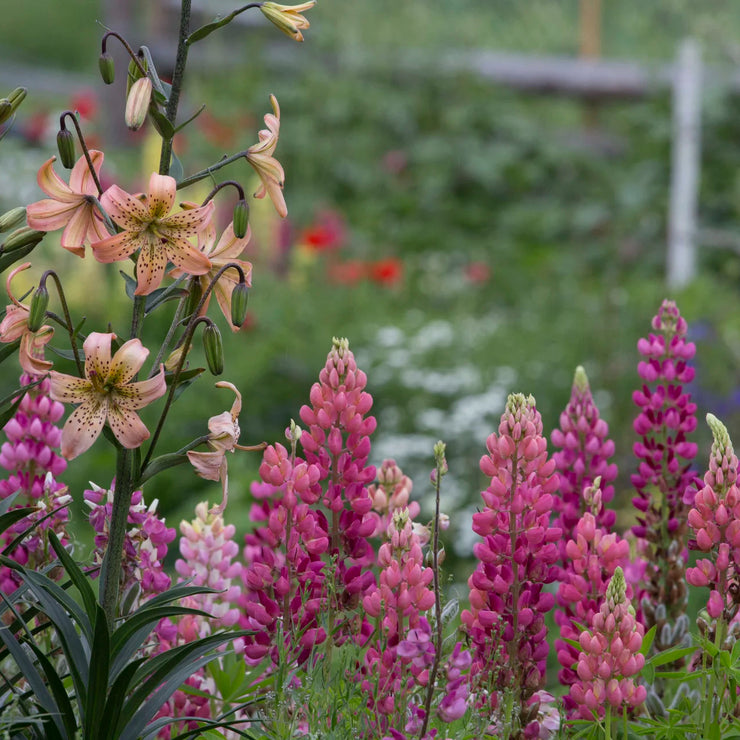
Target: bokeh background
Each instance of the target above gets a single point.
(471, 238)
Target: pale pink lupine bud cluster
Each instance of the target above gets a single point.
(338, 441)
(391, 492)
(284, 576)
(715, 519)
(610, 657)
(31, 458)
(583, 456)
(593, 556)
(666, 417)
(517, 559)
(144, 547)
(399, 659)
(208, 552)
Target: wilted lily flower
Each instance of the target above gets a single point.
(106, 393)
(223, 437)
(70, 206)
(15, 326)
(260, 156)
(158, 236)
(288, 18)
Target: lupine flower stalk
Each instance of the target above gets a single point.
(31, 457)
(583, 456)
(145, 545)
(208, 550)
(337, 441)
(610, 658)
(715, 520)
(593, 554)
(517, 557)
(284, 590)
(401, 651)
(666, 418)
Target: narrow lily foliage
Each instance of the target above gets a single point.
(15, 326)
(72, 206)
(106, 393)
(150, 230)
(260, 156)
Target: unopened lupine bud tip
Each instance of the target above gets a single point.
(719, 431)
(580, 379)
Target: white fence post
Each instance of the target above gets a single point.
(685, 164)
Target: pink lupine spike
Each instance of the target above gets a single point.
(506, 653)
(610, 657)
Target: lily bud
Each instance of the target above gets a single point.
(241, 219)
(66, 148)
(239, 300)
(12, 218)
(194, 296)
(214, 349)
(23, 237)
(6, 110)
(171, 363)
(107, 68)
(37, 313)
(137, 103)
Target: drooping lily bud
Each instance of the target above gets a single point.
(66, 148)
(214, 349)
(241, 219)
(107, 68)
(9, 105)
(239, 301)
(137, 103)
(37, 313)
(6, 110)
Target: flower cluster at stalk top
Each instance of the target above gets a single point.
(610, 656)
(715, 519)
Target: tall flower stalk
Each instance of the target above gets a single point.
(666, 418)
(517, 557)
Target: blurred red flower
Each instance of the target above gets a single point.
(477, 272)
(326, 234)
(347, 273)
(85, 103)
(388, 271)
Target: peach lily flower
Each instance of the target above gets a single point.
(223, 437)
(228, 249)
(106, 393)
(270, 171)
(15, 326)
(158, 236)
(288, 18)
(70, 206)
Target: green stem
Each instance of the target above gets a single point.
(110, 578)
(198, 176)
(177, 79)
(85, 151)
(170, 332)
(608, 723)
(67, 319)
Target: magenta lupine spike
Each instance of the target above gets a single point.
(338, 442)
(398, 659)
(508, 601)
(610, 657)
(145, 545)
(715, 519)
(583, 456)
(664, 477)
(593, 556)
(31, 457)
(284, 577)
